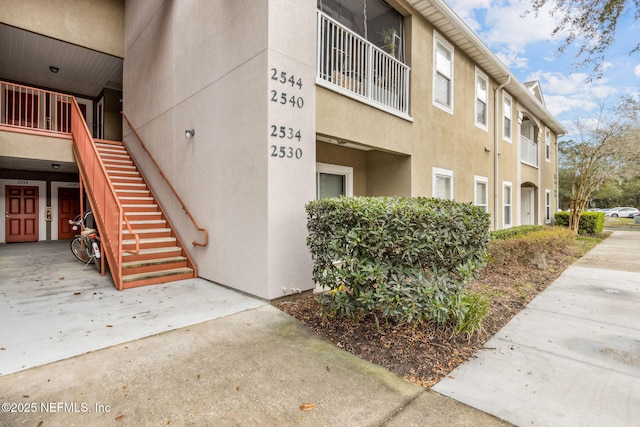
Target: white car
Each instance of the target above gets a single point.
(623, 212)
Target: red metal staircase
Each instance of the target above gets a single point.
(138, 241)
(161, 257)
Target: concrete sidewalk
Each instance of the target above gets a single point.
(255, 368)
(74, 351)
(572, 357)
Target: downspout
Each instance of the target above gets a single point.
(496, 137)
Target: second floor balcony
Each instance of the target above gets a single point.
(355, 67)
(529, 151)
(31, 109)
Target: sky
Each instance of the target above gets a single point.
(525, 45)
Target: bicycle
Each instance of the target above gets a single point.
(86, 245)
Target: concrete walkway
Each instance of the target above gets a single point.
(76, 352)
(572, 357)
(52, 307)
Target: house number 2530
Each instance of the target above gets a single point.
(285, 152)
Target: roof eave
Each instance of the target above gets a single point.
(448, 23)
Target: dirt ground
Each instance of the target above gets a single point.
(425, 353)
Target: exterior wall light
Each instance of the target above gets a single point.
(53, 69)
(189, 133)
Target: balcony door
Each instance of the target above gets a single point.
(21, 216)
(63, 114)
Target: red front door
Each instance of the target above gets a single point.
(68, 209)
(21, 214)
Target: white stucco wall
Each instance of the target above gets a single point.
(205, 65)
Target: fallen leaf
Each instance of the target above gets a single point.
(119, 417)
(198, 376)
(308, 406)
(26, 396)
(2, 348)
(109, 326)
(77, 293)
(237, 388)
(40, 423)
(61, 278)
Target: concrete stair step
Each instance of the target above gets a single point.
(146, 207)
(117, 160)
(153, 265)
(151, 278)
(151, 253)
(121, 172)
(152, 223)
(155, 261)
(148, 230)
(135, 200)
(148, 243)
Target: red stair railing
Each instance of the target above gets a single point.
(105, 204)
(175, 193)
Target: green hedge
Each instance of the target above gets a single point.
(521, 230)
(590, 222)
(402, 258)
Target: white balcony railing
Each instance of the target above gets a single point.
(354, 66)
(529, 151)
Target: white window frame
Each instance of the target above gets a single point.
(481, 180)
(547, 206)
(444, 173)
(481, 77)
(547, 145)
(328, 168)
(505, 223)
(438, 40)
(506, 99)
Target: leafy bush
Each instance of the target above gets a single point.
(521, 249)
(520, 230)
(590, 222)
(405, 259)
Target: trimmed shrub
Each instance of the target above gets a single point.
(520, 230)
(590, 222)
(401, 258)
(522, 249)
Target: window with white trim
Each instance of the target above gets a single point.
(481, 192)
(442, 73)
(333, 181)
(547, 206)
(482, 100)
(547, 145)
(506, 204)
(442, 183)
(506, 117)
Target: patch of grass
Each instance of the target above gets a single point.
(585, 243)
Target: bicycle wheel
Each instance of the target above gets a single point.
(79, 250)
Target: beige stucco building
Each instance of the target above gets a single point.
(287, 101)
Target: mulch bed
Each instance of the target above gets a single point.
(425, 353)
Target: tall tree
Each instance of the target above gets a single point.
(590, 23)
(606, 146)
